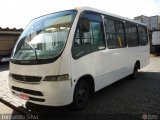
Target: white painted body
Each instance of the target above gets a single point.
(105, 66)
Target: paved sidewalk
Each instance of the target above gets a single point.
(5, 93)
(6, 110)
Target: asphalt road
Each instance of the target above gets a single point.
(125, 99)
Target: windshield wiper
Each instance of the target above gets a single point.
(33, 50)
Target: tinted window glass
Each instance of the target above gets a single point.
(143, 36)
(131, 35)
(114, 33)
(120, 33)
(86, 42)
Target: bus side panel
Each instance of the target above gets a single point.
(105, 66)
(144, 55)
(115, 67)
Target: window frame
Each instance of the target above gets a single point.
(132, 24)
(93, 20)
(116, 33)
(146, 31)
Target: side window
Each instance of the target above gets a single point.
(97, 34)
(89, 36)
(143, 36)
(110, 33)
(114, 33)
(120, 34)
(131, 35)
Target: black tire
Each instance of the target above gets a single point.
(134, 75)
(81, 95)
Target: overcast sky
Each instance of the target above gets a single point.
(18, 13)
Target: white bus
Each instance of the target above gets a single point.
(64, 57)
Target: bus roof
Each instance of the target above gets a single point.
(80, 9)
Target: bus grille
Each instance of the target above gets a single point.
(26, 78)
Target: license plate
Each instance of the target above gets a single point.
(5, 59)
(22, 96)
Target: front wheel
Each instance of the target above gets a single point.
(81, 95)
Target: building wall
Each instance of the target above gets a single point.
(152, 22)
(8, 38)
(7, 43)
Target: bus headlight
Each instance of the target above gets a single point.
(56, 78)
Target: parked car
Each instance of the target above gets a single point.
(5, 58)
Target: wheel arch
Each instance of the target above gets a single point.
(138, 64)
(90, 81)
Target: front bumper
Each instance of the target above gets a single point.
(57, 93)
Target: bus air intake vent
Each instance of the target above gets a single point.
(27, 91)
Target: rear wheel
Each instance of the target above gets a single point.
(81, 95)
(134, 75)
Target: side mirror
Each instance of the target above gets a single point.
(84, 25)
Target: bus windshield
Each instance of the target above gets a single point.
(45, 37)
